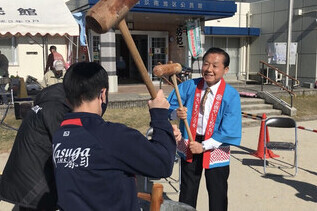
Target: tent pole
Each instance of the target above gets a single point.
(88, 50)
(70, 40)
(77, 49)
(43, 49)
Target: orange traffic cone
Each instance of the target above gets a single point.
(260, 151)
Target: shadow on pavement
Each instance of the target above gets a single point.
(306, 191)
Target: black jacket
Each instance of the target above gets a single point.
(96, 160)
(28, 177)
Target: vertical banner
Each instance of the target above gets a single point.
(193, 35)
(80, 19)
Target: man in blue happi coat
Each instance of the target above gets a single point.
(213, 110)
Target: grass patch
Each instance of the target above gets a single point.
(306, 106)
(139, 118)
(8, 135)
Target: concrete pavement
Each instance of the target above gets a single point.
(250, 190)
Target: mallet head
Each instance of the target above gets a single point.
(167, 69)
(107, 13)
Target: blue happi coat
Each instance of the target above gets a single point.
(228, 124)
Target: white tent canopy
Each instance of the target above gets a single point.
(36, 17)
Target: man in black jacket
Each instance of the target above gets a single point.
(95, 160)
(28, 177)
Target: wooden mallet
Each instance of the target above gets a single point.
(106, 14)
(171, 70)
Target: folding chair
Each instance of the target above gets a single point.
(289, 145)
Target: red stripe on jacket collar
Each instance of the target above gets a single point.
(76, 121)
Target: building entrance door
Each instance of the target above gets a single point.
(158, 51)
(152, 47)
(127, 70)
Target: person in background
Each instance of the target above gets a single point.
(121, 67)
(95, 160)
(56, 63)
(28, 177)
(4, 65)
(214, 114)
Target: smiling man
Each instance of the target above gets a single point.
(213, 110)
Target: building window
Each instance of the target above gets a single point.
(231, 45)
(159, 54)
(8, 48)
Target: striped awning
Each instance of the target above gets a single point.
(36, 17)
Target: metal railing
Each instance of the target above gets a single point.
(268, 68)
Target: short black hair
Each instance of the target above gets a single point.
(53, 47)
(83, 81)
(226, 60)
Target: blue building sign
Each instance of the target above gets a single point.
(210, 9)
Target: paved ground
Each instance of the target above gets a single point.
(250, 190)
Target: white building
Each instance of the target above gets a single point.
(29, 28)
(271, 17)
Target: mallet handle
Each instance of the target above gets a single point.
(156, 197)
(181, 106)
(137, 58)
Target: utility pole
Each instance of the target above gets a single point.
(289, 39)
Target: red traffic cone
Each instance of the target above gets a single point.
(260, 151)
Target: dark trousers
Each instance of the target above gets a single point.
(216, 182)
